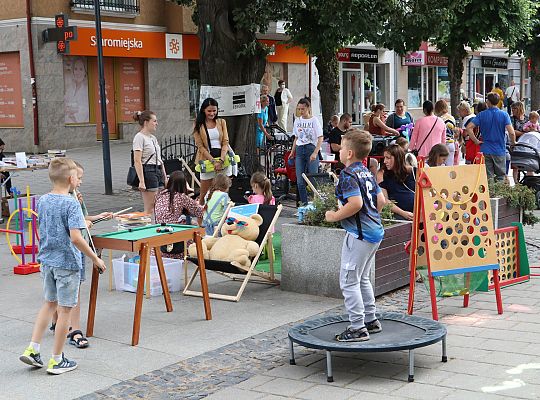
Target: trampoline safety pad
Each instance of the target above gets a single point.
(400, 332)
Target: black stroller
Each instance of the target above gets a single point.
(526, 158)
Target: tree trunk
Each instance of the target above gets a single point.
(328, 68)
(455, 73)
(221, 63)
(535, 82)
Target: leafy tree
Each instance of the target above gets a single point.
(531, 48)
(474, 23)
(230, 52)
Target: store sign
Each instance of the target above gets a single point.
(495, 62)
(358, 55)
(414, 59)
(234, 100)
(436, 59)
(119, 43)
(11, 109)
(173, 45)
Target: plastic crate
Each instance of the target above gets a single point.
(126, 275)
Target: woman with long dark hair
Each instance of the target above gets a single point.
(212, 141)
(174, 206)
(397, 182)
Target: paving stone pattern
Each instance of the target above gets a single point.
(216, 370)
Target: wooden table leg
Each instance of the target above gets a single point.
(163, 279)
(148, 277)
(144, 257)
(110, 271)
(202, 272)
(93, 299)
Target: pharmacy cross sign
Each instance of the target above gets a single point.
(62, 34)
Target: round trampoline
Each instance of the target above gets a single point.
(400, 332)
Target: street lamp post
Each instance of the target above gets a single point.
(103, 102)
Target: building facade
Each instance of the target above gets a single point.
(151, 61)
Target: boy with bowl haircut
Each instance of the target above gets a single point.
(361, 200)
(61, 243)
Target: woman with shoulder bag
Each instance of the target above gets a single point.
(427, 132)
(212, 141)
(147, 159)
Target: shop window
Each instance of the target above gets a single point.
(76, 103)
(369, 86)
(443, 84)
(274, 72)
(194, 76)
(414, 92)
(11, 109)
(382, 84)
(126, 8)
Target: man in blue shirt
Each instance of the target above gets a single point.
(493, 124)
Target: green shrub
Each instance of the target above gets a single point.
(328, 202)
(516, 196)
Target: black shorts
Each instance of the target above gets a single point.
(153, 177)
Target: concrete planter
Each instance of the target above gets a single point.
(311, 260)
(503, 214)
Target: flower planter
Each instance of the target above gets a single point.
(503, 214)
(311, 260)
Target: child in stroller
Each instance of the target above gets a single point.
(525, 161)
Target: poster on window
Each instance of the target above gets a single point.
(234, 100)
(11, 109)
(76, 107)
(130, 72)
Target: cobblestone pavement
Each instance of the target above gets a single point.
(211, 372)
(200, 376)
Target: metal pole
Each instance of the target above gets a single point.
(103, 99)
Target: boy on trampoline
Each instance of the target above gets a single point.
(361, 200)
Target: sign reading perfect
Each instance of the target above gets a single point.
(495, 62)
(358, 55)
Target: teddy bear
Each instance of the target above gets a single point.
(237, 243)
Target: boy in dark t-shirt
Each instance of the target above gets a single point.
(334, 137)
(361, 200)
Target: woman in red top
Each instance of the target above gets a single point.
(377, 126)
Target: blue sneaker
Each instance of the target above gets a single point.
(57, 368)
(31, 357)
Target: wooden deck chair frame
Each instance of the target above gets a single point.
(264, 277)
(230, 204)
(312, 187)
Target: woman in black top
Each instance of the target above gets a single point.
(397, 182)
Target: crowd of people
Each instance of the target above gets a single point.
(363, 189)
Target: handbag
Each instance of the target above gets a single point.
(415, 151)
(132, 177)
(216, 153)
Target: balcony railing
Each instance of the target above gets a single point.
(126, 8)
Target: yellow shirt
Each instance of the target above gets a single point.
(501, 96)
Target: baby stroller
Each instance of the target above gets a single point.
(526, 158)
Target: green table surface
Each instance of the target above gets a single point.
(143, 232)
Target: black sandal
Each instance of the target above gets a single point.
(53, 327)
(81, 342)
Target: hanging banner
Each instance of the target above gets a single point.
(234, 100)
